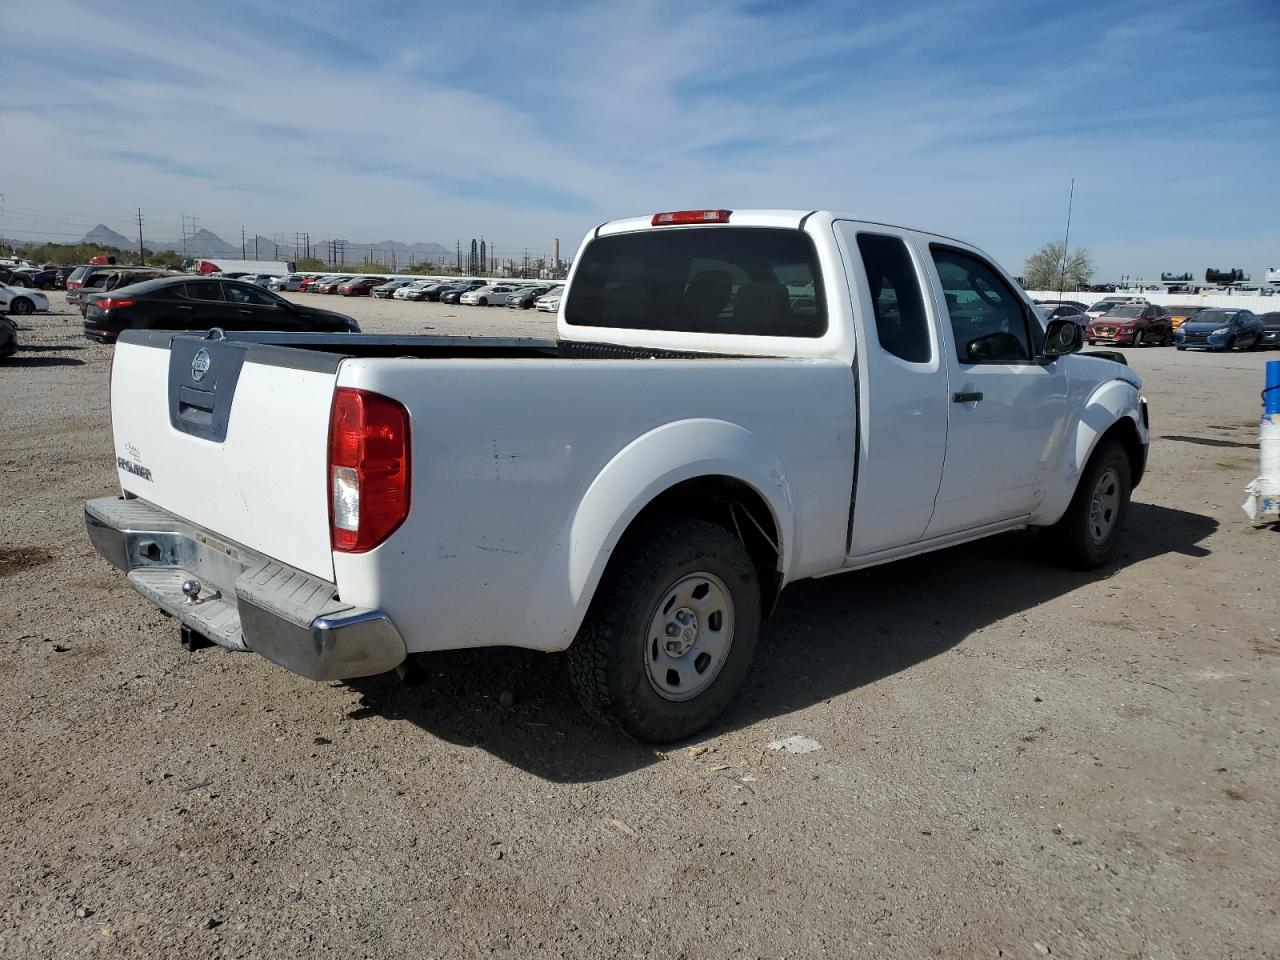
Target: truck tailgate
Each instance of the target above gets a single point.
(230, 436)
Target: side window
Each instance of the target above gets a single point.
(901, 323)
(987, 318)
(237, 293)
(203, 290)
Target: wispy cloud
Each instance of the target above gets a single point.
(525, 122)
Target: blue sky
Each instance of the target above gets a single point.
(522, 122)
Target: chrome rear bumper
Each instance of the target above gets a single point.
(245, 601)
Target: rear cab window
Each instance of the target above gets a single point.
(752, 281)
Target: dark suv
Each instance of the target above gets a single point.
(101, 278)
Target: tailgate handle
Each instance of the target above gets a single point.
(195, 406)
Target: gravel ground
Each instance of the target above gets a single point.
(1014, 760)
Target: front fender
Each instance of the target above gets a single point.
(1109, 402)
(648, 466)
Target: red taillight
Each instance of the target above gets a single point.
(107, 303)
(73, 284)
(368, 469)
(690, 216)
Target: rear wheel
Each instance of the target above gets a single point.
(1088, 532)
(671, 630)
(22, 306)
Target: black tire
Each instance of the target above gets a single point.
(1137, 339)
(484, 302)
(1074, 540)
(1231, 345)
(607, 661)
(21, 306)
(1182, 348)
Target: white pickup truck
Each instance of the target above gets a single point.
(735, 401)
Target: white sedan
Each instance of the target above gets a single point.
(20, 300)
(492, 295)
(549, 303)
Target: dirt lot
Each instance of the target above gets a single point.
(1015, 760)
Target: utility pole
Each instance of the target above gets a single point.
(243, 255)
(142, 254)
(255, 246)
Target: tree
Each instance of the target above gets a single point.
(1050, 268)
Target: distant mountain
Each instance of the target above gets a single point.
(104, 236)
(206, 243)
(385, 251)
(203, 243)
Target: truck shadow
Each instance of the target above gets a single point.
(828, 637)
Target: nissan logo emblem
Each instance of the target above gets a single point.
(200, 364)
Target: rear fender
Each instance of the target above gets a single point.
(644, 469)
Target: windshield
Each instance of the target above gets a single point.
(1132, 310)
(758, 281)
(1215, 316)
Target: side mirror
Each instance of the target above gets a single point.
(1062, 336)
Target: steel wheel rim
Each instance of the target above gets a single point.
(1104, 506)
(689, 636)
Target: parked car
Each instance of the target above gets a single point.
(201, 303)
(308, 284)
(99, 277)
(359, 286)
(22, 300)
(385, 291)
(433, 291)
(42, 279)
(1052, 311)
(411, 290)
(455, 293)
(74, 279)
(1179, 312)
(1106, 303)
(331, 284)
(1133, 324)
(291, 283)
(493, 295)
(522, 298)
(1270, 329)
(8, 338)
(111, 279)
(665, 504)
(549, 303)
(1081, 307)
(1217, 329)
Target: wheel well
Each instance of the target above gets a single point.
(740, 509)
(1126, 433)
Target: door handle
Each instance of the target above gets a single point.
(184, 307)
(973, 396)
(247, 313)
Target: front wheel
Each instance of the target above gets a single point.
(22, 306)
(671, 630)
(1088, 532)
(1137, 339)
(484, 302)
